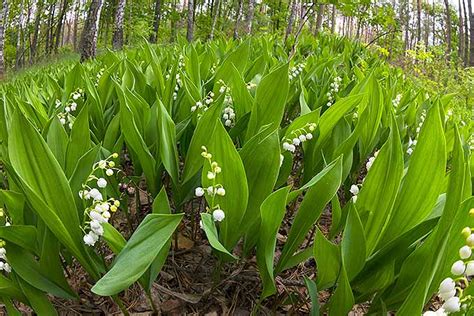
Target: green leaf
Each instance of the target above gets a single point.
(424, 179)
(138, 254)
(204, 131)
(353, 245)
(316, 198)
(313, 294)
(375, 204)
(79, 142)
(168, 149)
(270, 101)
(211, 233)
(46, 187)
(342, 300)
(328, 260)
(272, 213)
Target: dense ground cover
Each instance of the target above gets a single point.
(178, 173)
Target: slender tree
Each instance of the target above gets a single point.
(471, 33)
(319, 19)
(36, 29)
(238, 14)
(217, 5)
(466, 34)
(19, 39)
(250, 15)
(190, 28)
(418, 21)
(88, 43)
(117, 39)
(156, 21)
(291, 19)
(3, 18)
(59, 28)
(461, 32)
(448, 29)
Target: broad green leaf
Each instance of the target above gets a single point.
(315, 199)
(424, 179)
(272, 213)
(328, 260)
(270, 101)
(138, 254)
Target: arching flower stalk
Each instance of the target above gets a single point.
(67, 109)
(298, 136)
(296, 71)
(214, 190)
(99, 207)
(201, 106)
(396, 101)
(334, 89)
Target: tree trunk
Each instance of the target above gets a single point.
(59, 28)
(88, 45)
(237, 19)
(250, 15)
(117, 38)
(466, 35)
(217, 5)
(190, 30)
(418, 21)
(19, 38)
(471, 33)
(291, 18)
(3, 18)
(77, 8)
(49, 37)
(156, 22)
(333, 19)
(319, 19)
(448, 29)
(34, 41)
(461, 32)
(407, 24)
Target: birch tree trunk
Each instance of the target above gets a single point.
(88, 45)
(250, 15)
(117, 38)
(3, 18)
(217, 5)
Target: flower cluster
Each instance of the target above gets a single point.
(296, 71)
(178, 85)
(216, 189)
(98, 76)
(203, 105)
(69, 107)
(396, 101)
(371, 160)
(334, 89)
(99, 211)
(299, 136)
(422, 120)
(4, 266)
(411, 145)
(461, 269)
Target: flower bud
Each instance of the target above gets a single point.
(199, 191)
(470, 240)
(465, 252)
(109, 172)
(211, 175)
(452, 305)
(458, 267)
(218, 215)
(470, 268)
(101, 183)
(466, 232)
(220, 191)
